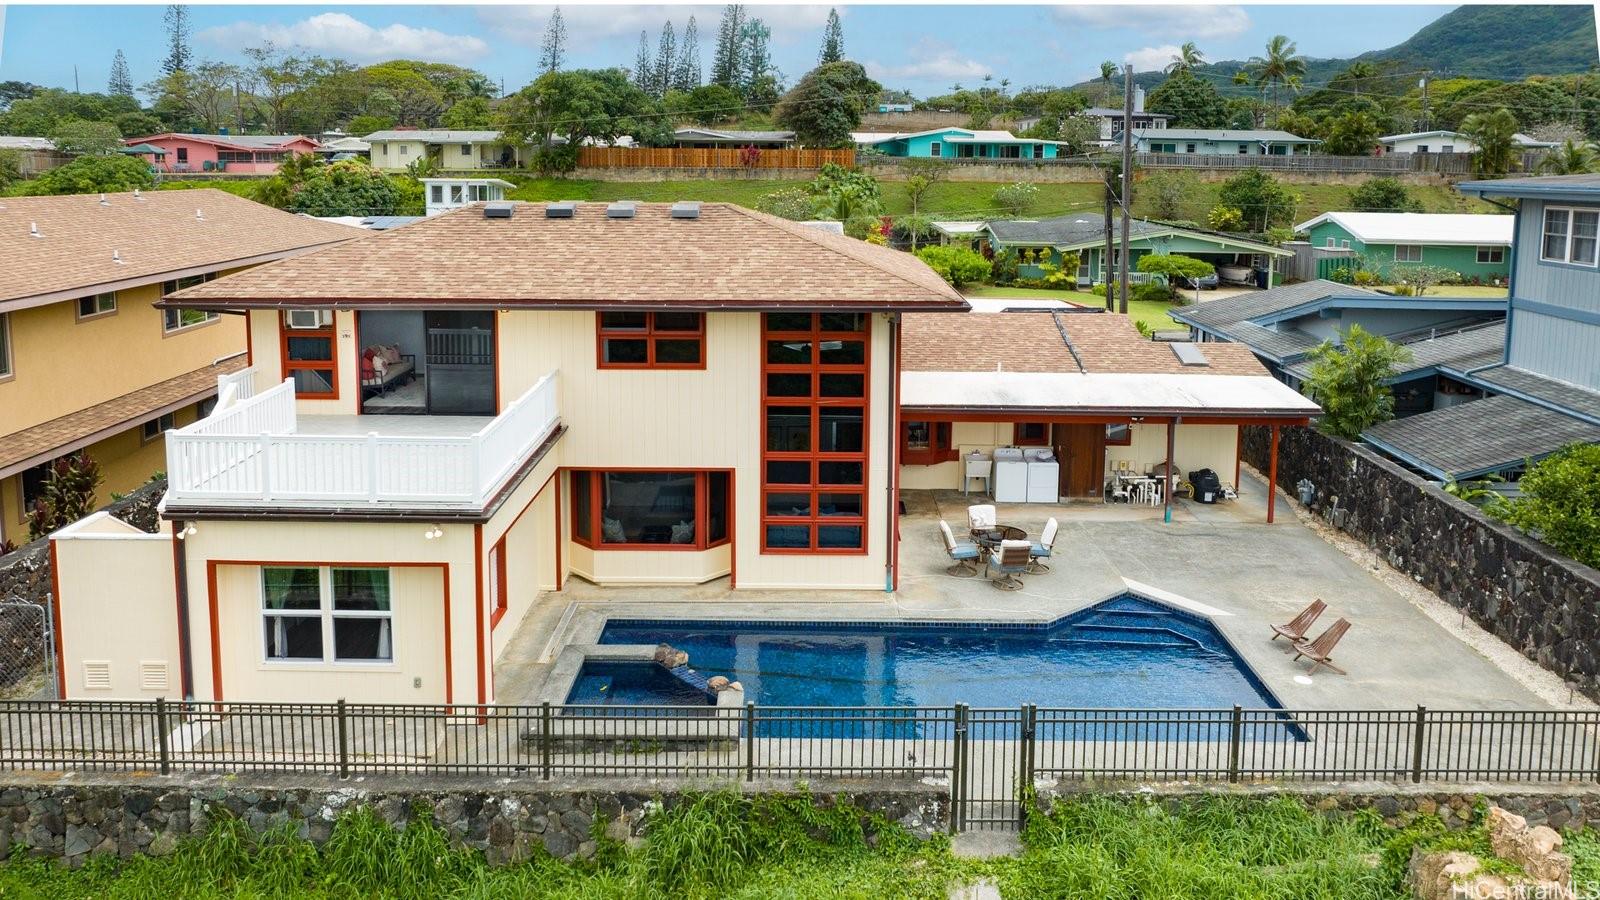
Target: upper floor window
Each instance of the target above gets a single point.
(310, 353)
(1570, 235)
(98, 305)
(179, 319)
(1491, 255)
(6, 370)
(308, 611)
(651, 340)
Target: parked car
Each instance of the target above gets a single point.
(1208, 282)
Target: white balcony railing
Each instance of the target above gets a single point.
(252, 451)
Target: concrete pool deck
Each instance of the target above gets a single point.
(1243, 573)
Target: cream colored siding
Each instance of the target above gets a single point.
(526, 520)
(646, 567)
(266, 350)
(700, 419)
(116, 610)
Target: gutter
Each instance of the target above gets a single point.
(892, 547)
(489, 303)
(180, 576)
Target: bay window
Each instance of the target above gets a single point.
(650, 510)
(651, 340)
(814, 454)
(327, 614)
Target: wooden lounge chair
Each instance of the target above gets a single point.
(1320, 651)
(1297, 627)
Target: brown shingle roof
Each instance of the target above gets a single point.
(154, 234)
(729, 257)
(1093, 342)
(69, 432)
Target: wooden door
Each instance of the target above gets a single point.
(1081, 451)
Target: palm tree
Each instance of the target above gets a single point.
(1572, 158)
(1494, 133)
(1357, 74)
(1281, 66)
(1187, 59)
(1108, 71)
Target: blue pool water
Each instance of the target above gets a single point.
(1126, 653)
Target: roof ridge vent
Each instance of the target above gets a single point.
(622, 209)
(498, 209)
(561, 209)
(686, 209)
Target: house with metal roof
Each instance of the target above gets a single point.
(959, 143)
(1440, 141)
(1476, 247)
(1222, 141)
(712, 138)
(395, 149)
(255, 153)
(1053, 240)
(1543, 388)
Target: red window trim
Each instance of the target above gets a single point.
(702, 511)
(940, 446)
(1126, 442)
(816, 403)
(330, 366)
(650, 335)
(497, 558)
(1018, 440)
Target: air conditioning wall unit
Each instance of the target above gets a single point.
(310, 318)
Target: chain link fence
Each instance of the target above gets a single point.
(27, 665)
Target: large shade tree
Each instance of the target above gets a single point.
(827, 104)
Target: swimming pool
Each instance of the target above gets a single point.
(1127, 653)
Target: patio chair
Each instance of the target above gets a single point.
(981, 516)
(1320, 651)
(963, 555)
(1041, 548)
(1119, 490)
(1297, 627)
(1010, 559)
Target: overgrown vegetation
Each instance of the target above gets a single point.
(1560, 502)
(1347, 380)
(957, 265)
(67, 495)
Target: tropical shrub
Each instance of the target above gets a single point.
(1383, 195)
(1175, 266)
(788, 203)
(1262, 200)
(1003, 268)
(1151, 291)
(1560, 502)
(94, 175)
(1016, 198)
(1225, 218)
(1348, 381)
(957, 265)
(1168, 193)
(66, 496)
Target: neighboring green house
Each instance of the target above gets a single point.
(1476, 246)
(1237, 259)
(1222, 142)
(958, 143)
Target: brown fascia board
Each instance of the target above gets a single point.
(175, 301)
(1123, 413)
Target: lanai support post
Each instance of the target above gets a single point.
(1272, 476)
(1238, 455)
(1166, 489)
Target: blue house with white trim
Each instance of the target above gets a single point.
(959, 143)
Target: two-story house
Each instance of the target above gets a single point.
(88, 362)
(626, 393)
(1542, 391)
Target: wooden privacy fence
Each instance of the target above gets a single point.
(720, 158)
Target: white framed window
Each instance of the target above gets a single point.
(327, 614)
(1422, 148)
(1491, 255)
(934, 148)
(1448, 148)
(156, 427)
(466, 149)
(1570, 236)
(1333, 242)
(405, 150)
(1188, 148)
(1344, 245)
(1407, 253)
(97, 305)
(178, 319)
(457, 193)
(437, 193)
(6, 370)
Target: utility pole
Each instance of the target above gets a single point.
(1127, 179)
(1423, 83)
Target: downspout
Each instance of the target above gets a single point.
(180, 577)
(892, 483)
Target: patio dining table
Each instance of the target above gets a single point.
(1141, 488)
(991, 537)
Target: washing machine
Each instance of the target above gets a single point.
(1010, 475)
(1044, 475)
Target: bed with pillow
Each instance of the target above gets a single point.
(383, 367)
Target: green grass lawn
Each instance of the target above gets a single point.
(1458, 290)
(1153, 314)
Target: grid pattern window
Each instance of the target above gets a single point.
(934, 148)
(327, 614)
(644, 510)
(235, 156)
(436, 191)
(1571, 236)
(1407, 253)
(651, 340)
(1491, 255)
(97, 305)
(814, 398)
(157, 427)
(179, 319)
(6, 369)
(310, 354)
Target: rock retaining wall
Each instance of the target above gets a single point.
(78, 816)
(1528, 595)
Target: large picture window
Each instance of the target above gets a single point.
(814, 452)
(1571, 236)
(650, 510)
(651, 340)
(310, 357)
(327, 614)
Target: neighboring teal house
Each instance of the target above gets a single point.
(960, 143)
(1222, 142)
(1476, 246)
(1048, 240)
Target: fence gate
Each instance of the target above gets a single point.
(27, 663)
(993, 768)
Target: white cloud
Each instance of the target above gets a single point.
(588, 24)
(931, 61)
(1149, 59)
(1184, 23)
(346, 36)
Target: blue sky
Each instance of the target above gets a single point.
(923, 48)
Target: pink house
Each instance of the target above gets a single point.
(223, 152)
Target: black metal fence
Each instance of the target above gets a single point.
(987, 757)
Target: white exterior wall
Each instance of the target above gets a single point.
(692, 419)
(267, 356)
(115, 609)
(1435, 143)
(388, 155)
